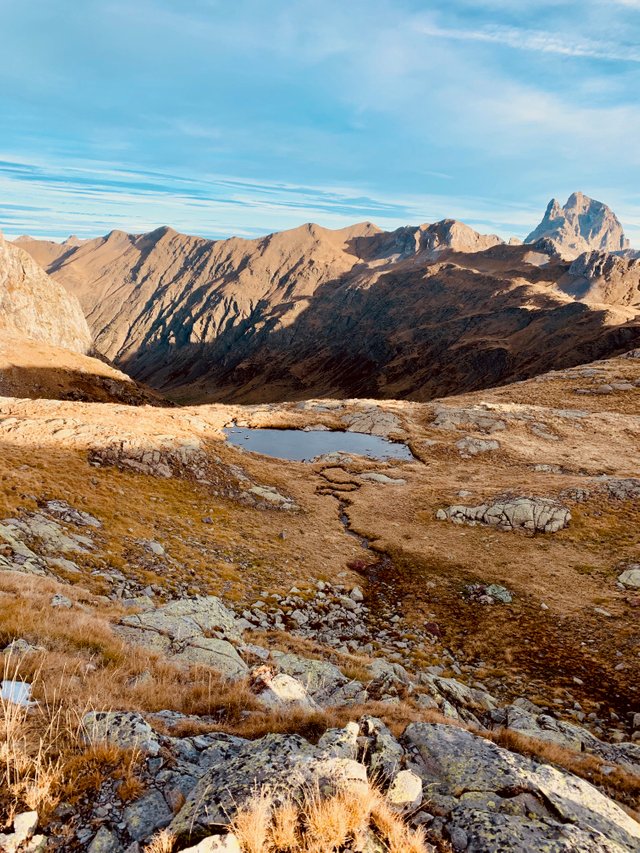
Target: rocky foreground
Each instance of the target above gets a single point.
(444, 649)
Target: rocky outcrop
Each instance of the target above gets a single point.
(580, 225)
(534, 514)
(34, 306)
(190, 631)
(532, 722)
(464, 789)
(492, 799)
(599, 277)
(40, 543)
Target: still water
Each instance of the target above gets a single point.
(304, 445)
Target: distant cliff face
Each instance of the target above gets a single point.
(419, 312)
(34, 306)
(582, 225)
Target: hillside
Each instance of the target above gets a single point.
(45, 341)
(357, 312)
(247, 620)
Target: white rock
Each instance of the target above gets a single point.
(630, 578)
(282, 690)
(405, 792)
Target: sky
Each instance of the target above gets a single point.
(225, 118)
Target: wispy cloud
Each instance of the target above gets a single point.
(89, 200)
(538, 41)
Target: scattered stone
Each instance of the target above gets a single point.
(487, 593)
(66, 513)
(383, 479)
(280, 690)
(473, 446)
(21, 647)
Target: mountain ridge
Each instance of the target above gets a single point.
(356, 311)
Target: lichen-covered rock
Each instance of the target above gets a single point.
(128, 730)
(383, 754)
(324, 681)
(281, 764)
(535, 514)
(146, 815)
(188, 618)
(405, 791)
(276, 761)
(105, 841)
(568, 735)
(470, 446)
(485, 831)
(169, 457)
(623, 489)
(382, 479)
(464, 772)
(218, 654)
(630, 578)
(458, 701)
(373, 420)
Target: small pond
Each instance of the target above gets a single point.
(300, 445)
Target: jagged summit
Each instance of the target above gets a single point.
(583, 224)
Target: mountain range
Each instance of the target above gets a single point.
(414, 313)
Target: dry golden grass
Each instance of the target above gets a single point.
(45, 758)
(317, 823)
(162, 842)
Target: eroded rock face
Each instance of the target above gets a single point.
(534, 514)
(580, 225)
(35, 306)
(600, 277)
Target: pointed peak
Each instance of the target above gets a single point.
(583, 224)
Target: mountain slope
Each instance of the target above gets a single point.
(44, 340)
(354, 312)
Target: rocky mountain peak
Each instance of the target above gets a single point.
(581, 225)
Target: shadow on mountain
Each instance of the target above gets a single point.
(419, 333)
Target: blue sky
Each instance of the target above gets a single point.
(245, 117)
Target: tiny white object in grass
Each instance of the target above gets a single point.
(18, 692)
